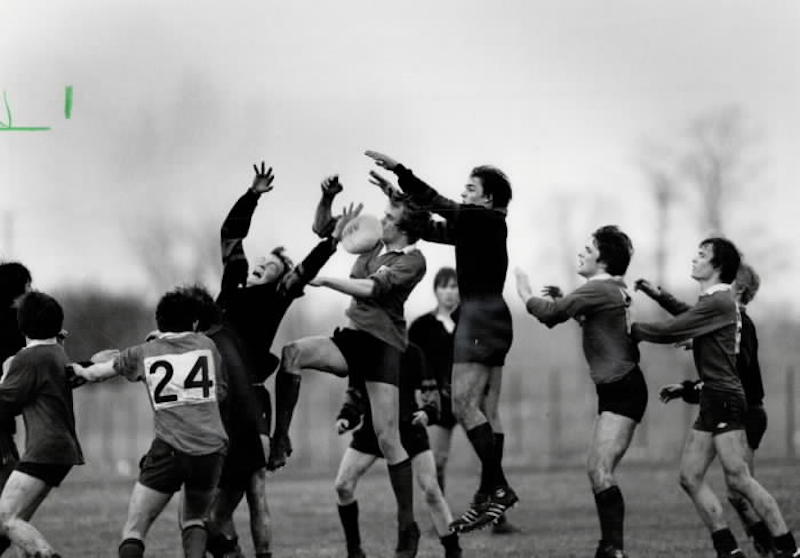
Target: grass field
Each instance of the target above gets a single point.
(83, 517)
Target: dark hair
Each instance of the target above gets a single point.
(614, 247)
(206, 311)
(443, 277)
(13, 279)
(280, 253)
(495, 183)
(725, 257)
(413, 220)
(40, 316)
(176, 312)
(747, 283)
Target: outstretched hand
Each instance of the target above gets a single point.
(348, 214)
(382, 160)
(552, 291)
(670, 391)
(386, 187)
(331, 185)
(647, 288)
(524, 289)
(262, 183)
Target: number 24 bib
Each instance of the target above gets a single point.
(180, 379)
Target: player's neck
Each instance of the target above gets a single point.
(444, 310)
(396, 245)
(706, 284)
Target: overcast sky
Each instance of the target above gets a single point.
(173, 102)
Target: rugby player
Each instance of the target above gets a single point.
(364, 450)
(713, 325)
(368, 349)
(477, 229)
(601, 306)
(755, 418)
(183, 373)
(36, 387)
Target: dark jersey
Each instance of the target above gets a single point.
(254, 313)
(714, 326)
(601, 306)
(436, 344)
(11, 341)
(36, 387)
(478, 234)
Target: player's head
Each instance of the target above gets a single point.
(40, 316)
(445, 287)
(176, 312)
(611, 251)
(746, 284)
(15, 281)
(270, 268)
(402, 220)
(206, 311)
(716, 256)
(488, 186)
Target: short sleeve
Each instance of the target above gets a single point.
(130, 363)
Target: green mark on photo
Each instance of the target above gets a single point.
(68, 102)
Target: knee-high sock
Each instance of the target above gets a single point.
(482, 439)
(131, 548)
(724, 541)
(499, 445)
(194, 541)
(611, 511)
(287, 390)
(348, 514)
(402, 479)
(5, 543)
(785, 543)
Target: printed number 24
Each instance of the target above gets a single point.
(200, 367)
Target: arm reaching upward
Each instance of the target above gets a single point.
(324, 222)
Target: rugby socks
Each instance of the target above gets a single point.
(287, 390)
(348, 514)
(611, 511)
(450, 544)
(724, 541)
(761, 535)
(785, 543)
(194, 541)
(402, 479)
(482, 439)
(263, 554)
(499, 442)
(131, 548)
(5, 543)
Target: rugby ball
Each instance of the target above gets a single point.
(362, 234)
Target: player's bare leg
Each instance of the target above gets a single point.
(352, 467)
(196, 505)
(21, 496)
(222, 537)
(384, 402)
(440, 440)
(753, 524)
(610, 440)
(317, 353)
(260, 521)
(144, 507)
(732, 450)
(425, 474)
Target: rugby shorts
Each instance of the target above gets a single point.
(245, 456)
(165, 469)
(413, 437)
(49, 473)
(720, 412)
(626, 396)
(368, 358)
(483, 332)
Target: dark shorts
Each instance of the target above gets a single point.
(245, 456)
(49, 473)
(166, 469)
(626, 396)
(368, 358)
(265, 409)
(755, 424)
(720, 412)
(483, 332)
(413, 437)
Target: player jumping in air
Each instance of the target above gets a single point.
(477, 229)
(364, 451)
(36, 386)
(601, 306)
(182, 371)
(713, 326)
(368, 349)
(253, 300)
(755, 418)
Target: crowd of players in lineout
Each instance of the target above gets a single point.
(205, 367)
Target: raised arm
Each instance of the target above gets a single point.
(559, 309)
(324, 221)
(662, 297)
(702, 318)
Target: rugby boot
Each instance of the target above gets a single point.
(500, 501)
(605, 550)
(763, 551)
(280, 450)
(787, 553)
(503, 527)
(407, 541)
(357, 553)
(476, 509)
(732, 554)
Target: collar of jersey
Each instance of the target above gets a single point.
(406, 250)
(172, 334)
(37, 342)
(603, 277)
(719, 287)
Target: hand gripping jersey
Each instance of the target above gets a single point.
(184, 378)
